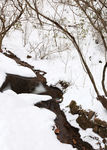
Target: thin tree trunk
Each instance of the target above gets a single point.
(1, 40)
(103, 79)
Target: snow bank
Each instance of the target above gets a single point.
(2, 78)
(83, 97)
(8, 65)
(24, 126)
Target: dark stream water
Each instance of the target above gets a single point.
(66, 133)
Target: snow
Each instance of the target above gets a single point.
(39, 89)
(7, 65)
(2, 78)
(67, 67)
(15, 44)
(88, 136)
(24, 126)
(84, 98)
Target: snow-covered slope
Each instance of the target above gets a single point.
(8, 65)
(31, 128)
(24, 126)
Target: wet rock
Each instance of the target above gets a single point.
(40, 76)
(102, 132)
(100, 122)
(100, 127)
(100, 61)
(90, 114)
(74, 109)
(20, 84)
(95, 129)
(85, 120)
(65, 132)
(57, 131)
(28, 56)
(64, 84)
(55, 92)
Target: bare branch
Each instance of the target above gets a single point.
(103, 79)
(72, 38)
(11, 12)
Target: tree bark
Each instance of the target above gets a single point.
(1, 40)
(103, 79)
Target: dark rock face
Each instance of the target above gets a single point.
(85, 120)
(20, 84)
(55, 92)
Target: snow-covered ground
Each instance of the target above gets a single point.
(25, 127)
(6, 62)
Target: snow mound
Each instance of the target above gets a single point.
(8, 65)
(24, 126)
(2, 78)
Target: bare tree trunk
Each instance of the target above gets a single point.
(103, 79)
(1, 40)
